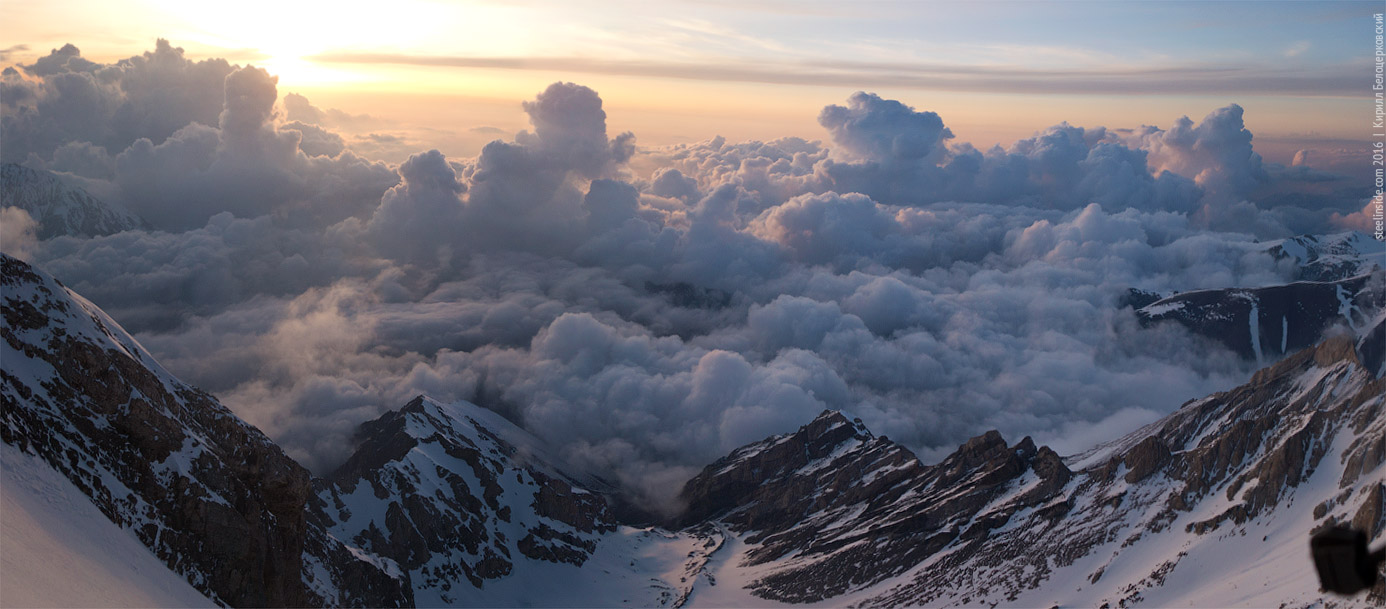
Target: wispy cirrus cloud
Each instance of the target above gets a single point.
(1337, 80)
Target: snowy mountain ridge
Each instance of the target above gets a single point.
(211, 496)
(1330, 257)
(454, 495)
(451, 504)
(1265, 324)
(59, 207)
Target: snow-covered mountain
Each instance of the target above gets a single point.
(454, 495)
(451, 504)
(213, 498)
(1211, 506)
(1340, 283)
(1330, 257)
(1265, 324)
(59, 207)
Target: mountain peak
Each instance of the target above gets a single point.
(1334, 350)
(988, 446)
(829, 422)
(456, 488)
(59, 207)
(415, 405)
(1330, 352)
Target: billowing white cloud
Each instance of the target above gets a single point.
(17, 232)
(647, 310)
(65, 98)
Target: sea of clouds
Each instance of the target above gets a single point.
(646, 310)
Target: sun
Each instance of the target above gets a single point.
(282, 36)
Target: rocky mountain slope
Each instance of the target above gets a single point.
(60, 208)
(451, 504)
(1212, 505)
(454, 495)
(211, 496)
(1330, 257)
(1265, 324)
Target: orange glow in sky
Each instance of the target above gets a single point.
(451, 74)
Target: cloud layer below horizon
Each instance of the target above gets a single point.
(648, 310)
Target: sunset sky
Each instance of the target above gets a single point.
(450, 74)
(446, 198)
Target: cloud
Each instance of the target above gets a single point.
(1162, 80)
(885, 130)
(647, 310)
(64, 97)
(17, 232)
(11, 50)
(316, 141)
(298, 108)
(1365, 220)
(248, 166)
(526, 195)
(1216, 153)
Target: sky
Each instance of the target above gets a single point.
(651, 233)
(433, 71)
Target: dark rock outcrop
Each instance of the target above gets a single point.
(1267, 323)
(210, 495)
(454, 495)
(856, 509)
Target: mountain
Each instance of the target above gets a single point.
(1340, 281)
(1265, 324)
(1212, 505)
(1330, 257)
(213, 498)
(454, 495)
(60, 551)
(59, 207)
(439, 504)
(832, 508)
(116, 472)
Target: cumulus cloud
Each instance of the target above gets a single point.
(885, 130)
(178, 142)
(646, 311)
(17, 232)
(1216, 153)
(248, 166)
(297, 108)
(64, 97)
(542, 193)
(1364, 220)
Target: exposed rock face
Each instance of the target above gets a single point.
(1264, 324)
(854, 509)
(452, 504)
(454, 495)
(213, 497)
(832, 512)
(58, 207)
(1330, 257)
(1371, 346)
